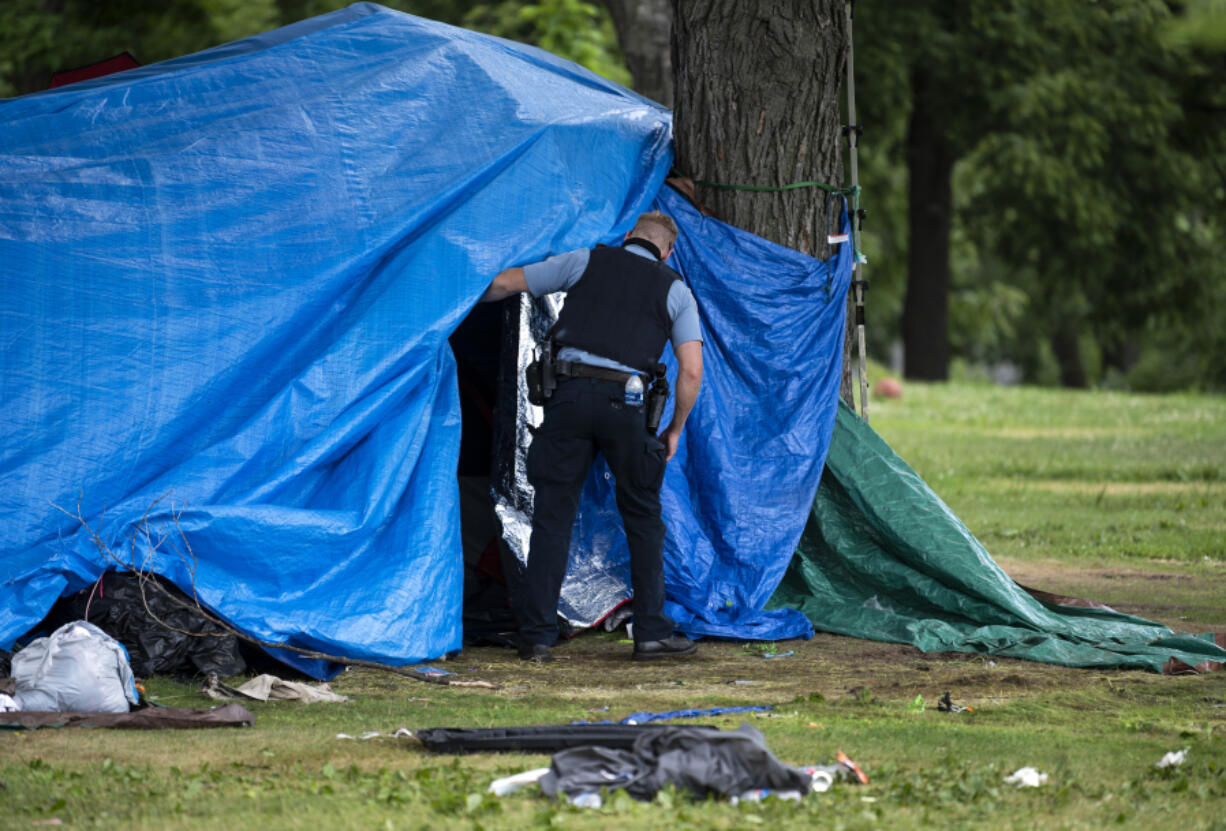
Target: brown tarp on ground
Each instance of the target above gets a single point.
(146, 718)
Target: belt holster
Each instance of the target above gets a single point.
(541, 375)
(655, 399)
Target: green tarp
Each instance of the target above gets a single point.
(882, 557)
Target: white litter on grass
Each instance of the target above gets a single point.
(511, 784)
(1026, 778)
(1173, 759)
(402, 733)
(759, 794)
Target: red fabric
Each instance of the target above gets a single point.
(118, 63)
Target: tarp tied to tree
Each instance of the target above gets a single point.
(230, 279)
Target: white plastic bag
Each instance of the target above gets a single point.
(77, 669)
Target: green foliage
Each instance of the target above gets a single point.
(36, 42)
(1199, 23)
(1092, 147)
(573, 29)
(38, 38)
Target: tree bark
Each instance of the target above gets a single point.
(644, 29)
(1068, 356)
(930, 165)
(757, 102)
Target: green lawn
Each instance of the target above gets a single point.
(1115, 496)
(1079, 477)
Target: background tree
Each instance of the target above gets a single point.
(579, 31)
(1051, 159)
(644, 32)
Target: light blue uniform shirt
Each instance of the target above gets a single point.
(560, 272)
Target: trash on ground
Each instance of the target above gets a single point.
(759, 794)
(1173, 759)
(402, 733)
(143, 718)
(511, 784)
(1026, 777)
(485, 685)
(429, 670)
(704, 761)
(787, 654)
(644, 718)
(851, 767)
(617, 617)
(544, 738)
(271, 688)
(945, 705)
(136, 610)
(78, 668)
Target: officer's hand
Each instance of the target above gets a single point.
(670, 438)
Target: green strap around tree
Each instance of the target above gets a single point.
(853, 210)
(854, 190)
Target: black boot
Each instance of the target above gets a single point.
(538, 652)
(670, 647)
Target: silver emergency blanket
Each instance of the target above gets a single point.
(597, 578)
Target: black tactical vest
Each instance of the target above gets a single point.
(618, 309)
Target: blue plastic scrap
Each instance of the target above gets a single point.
(643, 718)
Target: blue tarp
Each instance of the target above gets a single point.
(228, 282)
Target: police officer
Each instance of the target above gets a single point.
(622, 304)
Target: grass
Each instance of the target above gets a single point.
(1077, 477)
(1116, 497)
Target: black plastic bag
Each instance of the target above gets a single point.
(115, 605)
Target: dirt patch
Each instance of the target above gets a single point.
(1184, 596)
(594, 670)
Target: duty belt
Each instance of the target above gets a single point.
(574, 369)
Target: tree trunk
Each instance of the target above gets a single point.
(1068, 356)
(930, 165)
(757, 102)
(643, 29)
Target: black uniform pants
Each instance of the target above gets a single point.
(584, 416)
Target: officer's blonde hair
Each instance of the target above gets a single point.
(657, 227)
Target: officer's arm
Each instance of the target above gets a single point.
(689, 379)
(508, 282)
